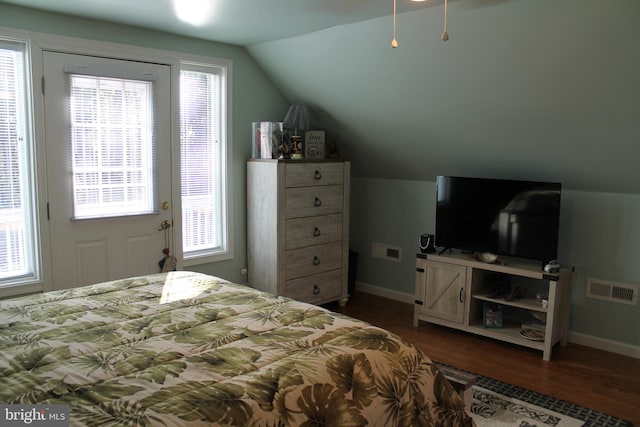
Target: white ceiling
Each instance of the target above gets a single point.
(239, 22)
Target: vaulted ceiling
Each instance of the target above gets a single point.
(239, 22)
(530, 89)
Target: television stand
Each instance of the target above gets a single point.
(453, 290)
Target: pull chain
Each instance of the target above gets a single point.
(445, 35)
(394, 42)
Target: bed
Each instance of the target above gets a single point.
(185, 348)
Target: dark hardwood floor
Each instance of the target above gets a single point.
(596, 379)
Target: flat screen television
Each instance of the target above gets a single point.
(512, 218)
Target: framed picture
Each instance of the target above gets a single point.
(492, 315)
(314, 144)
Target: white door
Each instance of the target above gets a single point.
(107, 130)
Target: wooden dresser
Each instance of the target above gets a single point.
(298, 228)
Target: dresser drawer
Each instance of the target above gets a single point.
(319, 287)
(308, 174)
(313, 201)
(314, 230)
(312, 260)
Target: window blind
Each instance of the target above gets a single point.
(112, 146)
(201, 171)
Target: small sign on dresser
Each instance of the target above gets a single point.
(314, 144)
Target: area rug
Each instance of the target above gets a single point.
(498, 404)
(491, 409)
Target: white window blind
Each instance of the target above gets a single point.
(202, 167)
(113, 148)
(18, 260)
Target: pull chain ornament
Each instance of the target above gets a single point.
(394, 42)
(445, 35)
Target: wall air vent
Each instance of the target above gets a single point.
(612, 291)
(387, 252)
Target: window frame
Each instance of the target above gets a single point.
(32, 280)
(225, 252)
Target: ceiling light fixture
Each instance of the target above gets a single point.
(194, 12)
(444, 36)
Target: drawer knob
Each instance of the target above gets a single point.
(317, 175)
(316, 290)
(316, 260)
(316, 231)
(317, 202)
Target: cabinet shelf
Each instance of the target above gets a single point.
(451, 290)
(513, 266)
(510, 332)
(524, 303)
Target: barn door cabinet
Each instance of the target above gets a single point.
(440, 289)
(298, 228)
(455, 290)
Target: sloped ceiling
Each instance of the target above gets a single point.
(238, 22)
(528, 89)
(540, 90)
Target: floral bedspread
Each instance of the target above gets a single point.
(185, 348)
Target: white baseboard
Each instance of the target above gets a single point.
(605, 344)
(574, 337)
(386, 293)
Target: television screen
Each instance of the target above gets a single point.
(505, 217)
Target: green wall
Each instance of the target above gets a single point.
(599, 236)
(600, 233)
(254, 96)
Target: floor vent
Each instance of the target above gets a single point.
(611, 291)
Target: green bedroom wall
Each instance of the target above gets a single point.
(600, 233)
(254, 96)
(599, 236)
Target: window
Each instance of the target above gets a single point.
(112, 146)
(203, 162)
(18, 260)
